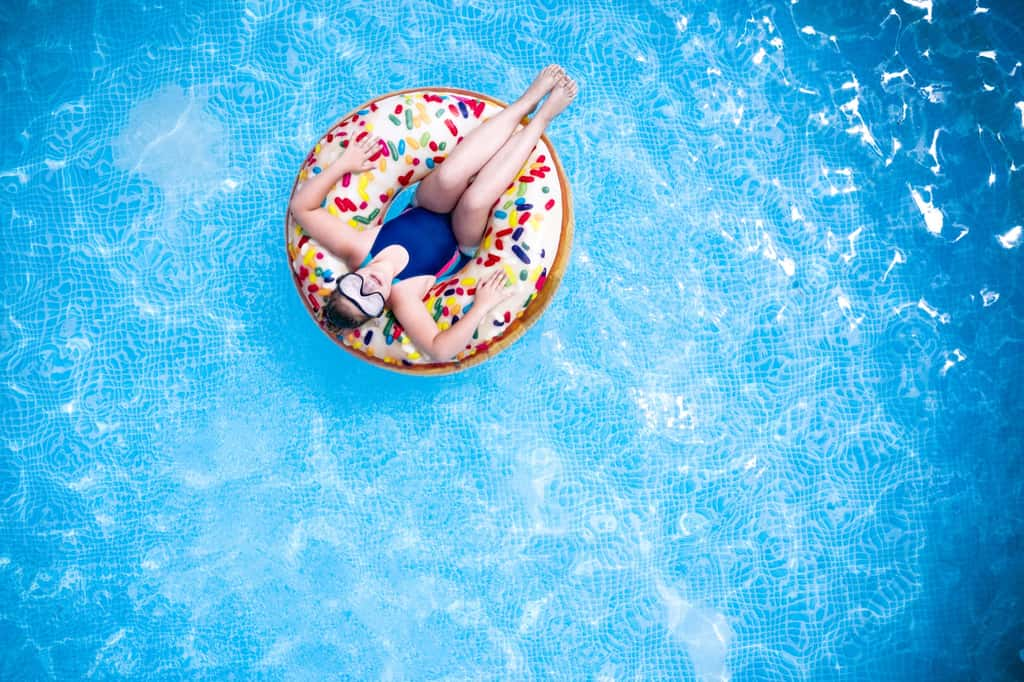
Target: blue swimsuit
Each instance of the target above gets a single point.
(429, 240)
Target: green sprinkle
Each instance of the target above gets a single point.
(522, 275)
(361, 219)
(507, 204)
(546, 189)
(424, 139)
(440, 113)
(394, 151)
(441, 146)
(394, 119)
(408, 119)
(375, 213)
(387, 327)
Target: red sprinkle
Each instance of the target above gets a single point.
(345, 179)
(398, 109)
(523, 217)
(505, 233)
(451, 126)
(319, 256)
(525, 178)
(540, 159)
(312, 300)
(550, 204)
(312, 288)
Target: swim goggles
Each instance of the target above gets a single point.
(351, 287)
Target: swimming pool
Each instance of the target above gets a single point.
(767, 428)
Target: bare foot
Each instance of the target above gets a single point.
(561, 96)
(542, 84)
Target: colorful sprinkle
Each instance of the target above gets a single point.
(520, 254)
(451, 126)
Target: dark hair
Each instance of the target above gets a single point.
(337, 317)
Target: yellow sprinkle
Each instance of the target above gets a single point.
(369, 350)
(353, 224)
(449, 302)
(382, 164)
(508, 271)
(309, 257)
(468, 281)
(364, 180)
(487, 243)
(535, 275)
(513, 217)
(412, 143)
(333, 210)
(316, 150)
(303, 174)
(414, 355)
(443, 325)
(408, 159)
(368, 127)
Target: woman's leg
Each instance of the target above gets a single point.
(441, 189)
(470, 216)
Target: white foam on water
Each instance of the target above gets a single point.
(922, 4)
(897, 259)
(933, 217)
(934, 152)
(958, 357)
(1011, 238)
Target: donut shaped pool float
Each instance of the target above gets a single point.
(529, 233)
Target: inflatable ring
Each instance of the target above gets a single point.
(529, 233)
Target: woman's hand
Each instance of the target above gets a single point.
(356, 157)
(492, 290)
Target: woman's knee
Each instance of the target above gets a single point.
(473, 200)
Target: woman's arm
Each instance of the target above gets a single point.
(305, 205)
(355, 158)
(445, 345)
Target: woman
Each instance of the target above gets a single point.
(397, 263)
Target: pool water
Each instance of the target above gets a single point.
(768, 428)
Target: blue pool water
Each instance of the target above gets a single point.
(768, 428)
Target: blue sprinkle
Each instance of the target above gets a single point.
(498, 323)
(542, 253)
(525, 207)
(363, 112)
(401, 146)
(316, 170)
(500, 214)
(430, 162)
(369, 335)
(463, 109)
(448, 292)
(520, 253)
(516, 234)
(520, 200)
(466, 310)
